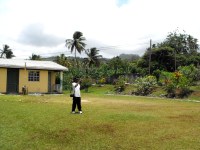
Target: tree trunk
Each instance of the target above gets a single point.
(76, 59)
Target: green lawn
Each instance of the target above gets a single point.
(108, 122)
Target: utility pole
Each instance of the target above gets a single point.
(175, 59)
(150, 57)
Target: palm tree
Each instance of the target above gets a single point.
(76, 44)
(93, 57)
(62, 60)
(9, 54)
(35, 57)
(6, 52)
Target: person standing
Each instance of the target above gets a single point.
(77, 96)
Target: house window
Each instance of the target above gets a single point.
(33, 76)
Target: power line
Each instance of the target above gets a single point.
(100, 48)
(54, 53)
(68, 52)
(120, 46)
(49, 54)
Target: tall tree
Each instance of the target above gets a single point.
(76, 44)
(181, 42)
(116, 64)
(93, 57)
(192, 44)
(6, 52)
(184, 45)
(35, 57)
(62, 60)
(9, 55)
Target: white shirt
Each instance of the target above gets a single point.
(76, 89)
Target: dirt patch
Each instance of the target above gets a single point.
(168, 137)
(185, 118)
(84, 101)
(104, 129)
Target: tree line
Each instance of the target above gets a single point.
(173, 63)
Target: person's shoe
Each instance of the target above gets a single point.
(73, 112)
(80, 112)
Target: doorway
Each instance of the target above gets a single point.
(12, 81)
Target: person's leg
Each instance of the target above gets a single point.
(79, 104)
(73, 105)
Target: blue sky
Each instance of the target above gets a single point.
(122, 2)
(113, 26)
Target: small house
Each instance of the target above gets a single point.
(33, 76)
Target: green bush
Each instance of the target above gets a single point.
(101, 81)
(120, 84)
(86, 83)
(67, 81)
(175, 84)
(156, 73)
(166, 79)
(191, 73)
(145, 85)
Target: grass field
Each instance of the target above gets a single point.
(108, 122)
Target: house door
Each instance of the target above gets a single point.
(49, 82)
(12, 80)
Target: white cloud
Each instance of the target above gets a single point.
(34, 35)
(104, 24)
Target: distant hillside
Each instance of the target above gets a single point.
(130, 57)
(53, 58)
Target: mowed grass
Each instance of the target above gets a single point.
(108, 122)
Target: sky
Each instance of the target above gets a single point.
(113, 26)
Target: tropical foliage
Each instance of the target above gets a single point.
(174, 66)
(120, 84)
(76, 44)
(178, 49)
(6, 52)
(35, 57)
(145, 85)
(176, 84)
(93, 58)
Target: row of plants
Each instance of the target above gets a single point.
(176, 84)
